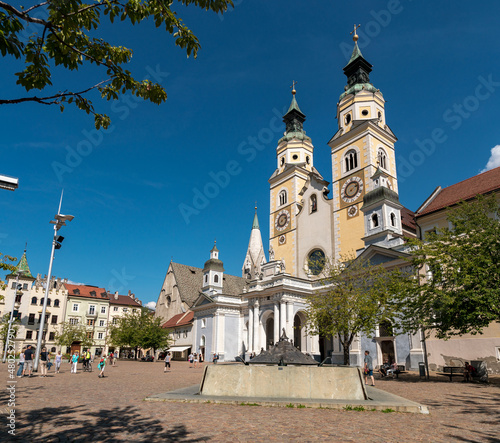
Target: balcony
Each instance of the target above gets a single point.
(91, 314)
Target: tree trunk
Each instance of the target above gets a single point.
(346, 343)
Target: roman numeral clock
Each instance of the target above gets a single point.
(350, 192)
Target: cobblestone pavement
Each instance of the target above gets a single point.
(82, 407)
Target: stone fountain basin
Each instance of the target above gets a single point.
(292, 382)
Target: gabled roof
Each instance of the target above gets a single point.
(484, 183)
(182, 319)
(408, 219)
(123, 300)
(189, 281)
(86, 291)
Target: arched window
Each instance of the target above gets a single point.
(316, 261)
(314, 203)
(382, 159)
(351, 160)
(385, 329)
(34, 300)
(283, 198)
(49, 301)
(216, 279)
(168, 301)
(56, 303)
(206, 278)
(393, 219)
(374, 220)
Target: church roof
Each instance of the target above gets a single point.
(480, 184)
(408, 219)
(255, 224)
(189, 280)
(24, 268)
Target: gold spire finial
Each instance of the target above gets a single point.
(293, 87)
(355, 36)
(255, 206)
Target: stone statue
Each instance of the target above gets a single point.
(271, 253)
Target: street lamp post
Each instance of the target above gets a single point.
(11, 320)
(60, 220)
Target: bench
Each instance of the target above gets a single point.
(452, 371)
(400, 370)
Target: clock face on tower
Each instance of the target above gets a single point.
(282, 220)
(351, 189)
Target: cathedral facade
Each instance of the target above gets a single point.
(237, 316)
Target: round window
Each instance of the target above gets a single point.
(295, 157)
(316, 261)
(364, 112)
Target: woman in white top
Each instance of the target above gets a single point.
(20, 371)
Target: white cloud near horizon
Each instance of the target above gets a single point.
(494, 160)
(151, 305)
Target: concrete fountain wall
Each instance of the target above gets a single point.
(304, 382)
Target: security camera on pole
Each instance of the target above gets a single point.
(60, 220)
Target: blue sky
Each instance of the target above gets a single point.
(437, 64)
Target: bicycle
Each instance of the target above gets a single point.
(87, 367)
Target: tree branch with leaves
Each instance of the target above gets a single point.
(64, 33)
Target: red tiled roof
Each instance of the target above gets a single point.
(123, 300)
(179, 320)
(465, 190)
(408, 219)
(84, 291)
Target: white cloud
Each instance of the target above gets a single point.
(494, 160)
(150, 305)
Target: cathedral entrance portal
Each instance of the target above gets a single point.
(297, 332)
(269, 332)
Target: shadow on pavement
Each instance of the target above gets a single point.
(105, 425)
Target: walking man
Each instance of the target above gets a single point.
(44, 359)
(28, 360)
(368, 368)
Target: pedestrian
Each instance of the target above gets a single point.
(28, 360)
(190, 360)
(195, 359)
(101, 366)
(200, 354)
(58, 361)
(20, 371)
(115, 357)
(74, 362)
(368, 370)
(44, 359)
(167, 362)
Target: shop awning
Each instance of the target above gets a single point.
(178, 348)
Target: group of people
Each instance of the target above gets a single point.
(87, 359)
(27, 356)
(194, 359)
(388, 369)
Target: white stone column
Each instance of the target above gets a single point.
(276, 323)
(289, 317)
(282, 316)
(256, 335)
(250, 329)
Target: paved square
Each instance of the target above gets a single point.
(81, 407)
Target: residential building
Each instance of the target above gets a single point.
(181, 336)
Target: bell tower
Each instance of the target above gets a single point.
(362, 144)
(294, 156)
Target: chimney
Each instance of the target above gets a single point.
(116, 295)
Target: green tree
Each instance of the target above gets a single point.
(354, 298)
(139, 329)
(6, 266)
(71, 333)
(4, 328)
(65, 34)
(456, 286)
